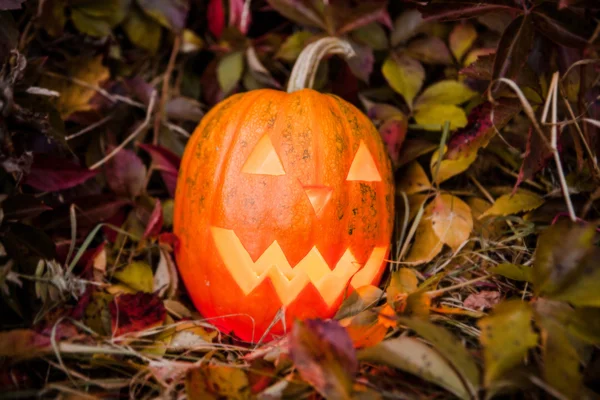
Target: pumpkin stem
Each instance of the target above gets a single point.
(305, 69)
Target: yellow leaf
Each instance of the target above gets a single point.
(445, 92)
(506, 336)
(509, 204)
(451, 220)
(405, 75)
(403, 282)
(449, 168)
(76, 96)
(137, 275)
(461, 39)
(217, 381)
(487, 229)
(414, 179)
(432, 117)
(475, 54)
(427, 245)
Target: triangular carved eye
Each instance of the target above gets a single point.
(363, 167)
(263, 160)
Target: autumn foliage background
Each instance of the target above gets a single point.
(489, 110)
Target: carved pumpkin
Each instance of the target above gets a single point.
(284, 202)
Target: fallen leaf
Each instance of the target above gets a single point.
(137, 275)
(125, 173)
(301, 12)
(22, 206)
(216, 382)
(359, 300)
(560, 353)
(506, 336)
(461, 39)
(512, 271)
(415, 357)
(365, 329)
(136, 312)
(449, 346)
(324, 355)
(21, 343)
(403, 282)
(184, 109)
(413, 149)
(451, 220)
(482, 300)
(77, 96)
(166, 279)
(215, 17)
(427, 244)
(142, 30)
(405, 75)
(414, 179)
(97, 18)
(510, 204)
(50, 174)
(479, 64)
(564, 266)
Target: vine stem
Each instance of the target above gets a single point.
(305, 69)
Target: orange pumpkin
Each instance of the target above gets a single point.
(285, 202)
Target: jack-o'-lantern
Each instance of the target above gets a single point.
(284, 204)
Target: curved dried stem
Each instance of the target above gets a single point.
(305, 69)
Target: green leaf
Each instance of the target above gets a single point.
(512, 271)
(461, 39)
(445, 92)
(415, 357)
(372, 35)
(229, 71)
(171, 14)
(432, 117)
(510, 204)
(293, 45)
(142, 30)
(449, 346)
(406, 26)
(405, 75)
(506, 336)
(97, 18)
(430, 50)
(138, 276)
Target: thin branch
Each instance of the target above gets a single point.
(133, 135)
(91, 127)
(164, 95)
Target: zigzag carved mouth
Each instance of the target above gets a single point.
(289, 281)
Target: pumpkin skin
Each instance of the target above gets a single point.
(274, 191)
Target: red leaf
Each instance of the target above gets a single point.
(237, 17)
(514, 48)
(215, 15)
(480, 128)
(393, 133)
(136, 312)
(537, 155)
(324, 355)
(50, 173)
(125, 173)
(155, 222)
(170, 239)
(166, 162)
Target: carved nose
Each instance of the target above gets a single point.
(318, 195)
